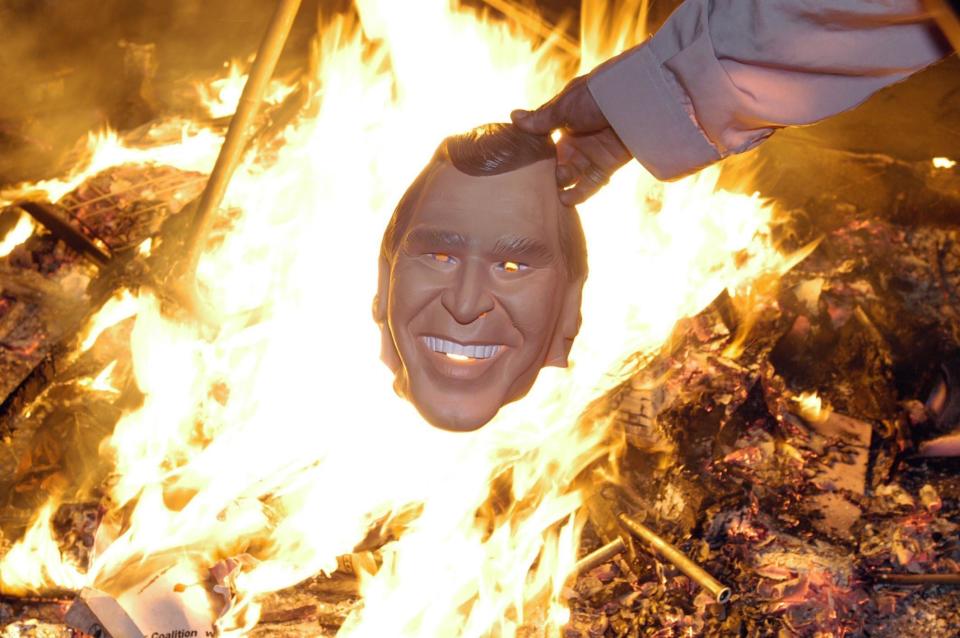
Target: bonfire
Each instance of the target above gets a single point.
(741, 445)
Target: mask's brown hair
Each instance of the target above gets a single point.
(490, 149)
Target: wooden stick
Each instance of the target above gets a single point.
(536, 24)
(599, 557)
(676, 558)
(239, 131)
(58, 598)
(917, 579)
(48, 216)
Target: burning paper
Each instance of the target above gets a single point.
(281, 438)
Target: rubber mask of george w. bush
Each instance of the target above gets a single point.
(481, 273)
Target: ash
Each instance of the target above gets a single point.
(799, 510)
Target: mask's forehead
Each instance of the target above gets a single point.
(484, 209)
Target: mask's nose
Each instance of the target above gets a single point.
(468, 297)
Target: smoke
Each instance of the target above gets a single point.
(71, 66)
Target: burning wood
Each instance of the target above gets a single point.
(52, 220)
(793, 483)
(49, 293)
(213, 447)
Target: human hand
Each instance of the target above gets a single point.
(588, 151)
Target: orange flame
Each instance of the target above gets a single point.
(812, 407)
(309, 447)
(221, 96)
(17, 235)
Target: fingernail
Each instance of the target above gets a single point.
(519, 114)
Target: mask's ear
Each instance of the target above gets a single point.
(388, 350)
(568, 326)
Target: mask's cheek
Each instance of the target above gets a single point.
(407, 308)
(534, 309)
(388, 349)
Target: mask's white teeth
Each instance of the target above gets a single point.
(459, 351)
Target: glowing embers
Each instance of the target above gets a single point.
(383, 113)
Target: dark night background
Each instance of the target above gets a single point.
(62, 72)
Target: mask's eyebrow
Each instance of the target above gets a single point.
(425, 238)
(517, 247)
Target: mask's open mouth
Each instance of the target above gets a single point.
(461, 352)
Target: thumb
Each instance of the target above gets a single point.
(539, 122)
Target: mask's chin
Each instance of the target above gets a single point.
(456, 412)
(457, 422)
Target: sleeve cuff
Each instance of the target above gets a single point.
(647, 115)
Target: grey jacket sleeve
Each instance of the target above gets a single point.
(721, 75)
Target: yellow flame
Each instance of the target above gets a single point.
(18, 234)
(282, 438)
(221, 96)
(102, 382)
(119, 307)
(812, 407)
(191, 148)
(35, 562)
(943, 162)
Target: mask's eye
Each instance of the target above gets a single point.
(512, 266)
(442, 258)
